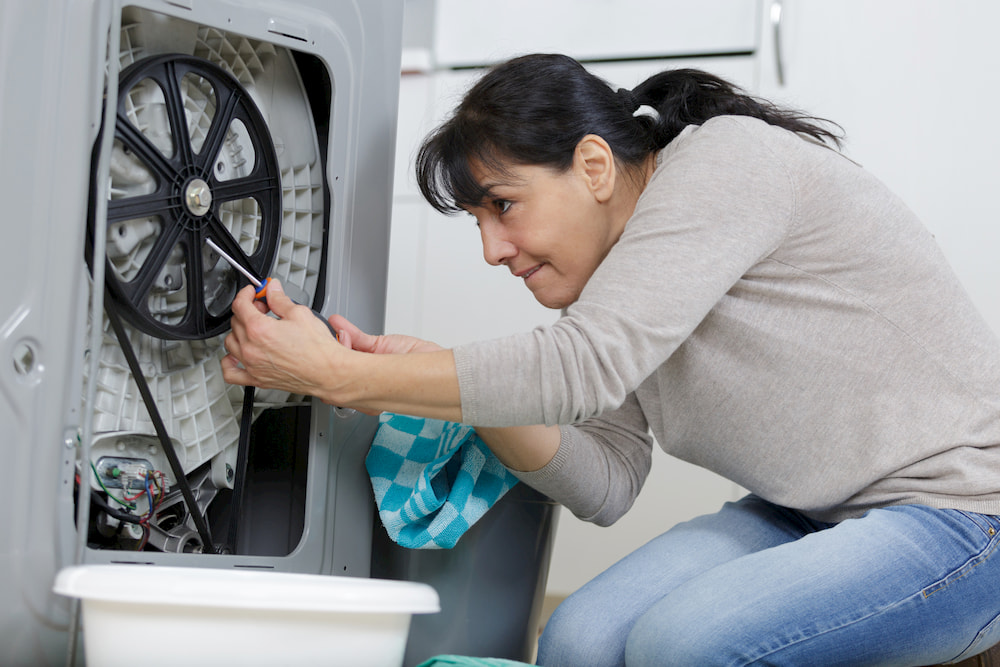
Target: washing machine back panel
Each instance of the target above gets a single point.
(50, 101)
(52, 83)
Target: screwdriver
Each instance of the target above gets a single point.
(260, 286)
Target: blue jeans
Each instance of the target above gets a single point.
(759, 584)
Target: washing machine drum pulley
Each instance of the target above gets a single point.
(217, 137)
(192, 159)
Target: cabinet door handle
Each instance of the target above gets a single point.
(779, 62)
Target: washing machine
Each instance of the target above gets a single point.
(131, 134)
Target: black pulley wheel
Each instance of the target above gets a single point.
(185, 197)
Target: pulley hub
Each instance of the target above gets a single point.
(198, 197)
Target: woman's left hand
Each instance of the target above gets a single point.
(356, 339)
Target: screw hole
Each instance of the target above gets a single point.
(25, 359)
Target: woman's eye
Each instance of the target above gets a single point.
(502, 205)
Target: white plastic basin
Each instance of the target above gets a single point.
(202, 616)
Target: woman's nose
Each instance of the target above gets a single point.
(496, 249)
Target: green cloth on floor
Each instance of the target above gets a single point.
(445, 660)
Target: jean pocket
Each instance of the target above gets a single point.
(988, 524)
(981, 530)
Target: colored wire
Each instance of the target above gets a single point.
(145, 537)
(114, 498)
(159, 479)
(149, 495)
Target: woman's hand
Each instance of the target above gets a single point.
(295, 353)
(354, 338)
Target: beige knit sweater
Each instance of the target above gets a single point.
(774, 314)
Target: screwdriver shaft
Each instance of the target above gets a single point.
(232, 262)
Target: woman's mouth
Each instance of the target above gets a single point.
(530, 272)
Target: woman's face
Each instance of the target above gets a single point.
(547, 227)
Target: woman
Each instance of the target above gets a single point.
(762, 306)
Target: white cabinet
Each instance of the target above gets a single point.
(914, 85)
(478, 32)
(441, 289)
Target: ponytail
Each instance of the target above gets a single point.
(683, 97)
(535, 110)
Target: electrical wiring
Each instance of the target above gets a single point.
(152, 478)
(103, 505)
(108, 493)
(136, 496)
(145, 537)
(155, 477)
(149, 496)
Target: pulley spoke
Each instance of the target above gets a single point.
(148, 154)
(195, 241)
(138, 288)
(228, 102)
(244, 188)
(170, 80)
(142, 206)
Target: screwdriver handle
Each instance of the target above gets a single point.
(261, 294)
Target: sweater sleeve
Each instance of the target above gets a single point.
(600, 466)
(719, 201)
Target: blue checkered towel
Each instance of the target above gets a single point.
(432, 479)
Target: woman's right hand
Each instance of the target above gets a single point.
(517, 447)
(354, 338)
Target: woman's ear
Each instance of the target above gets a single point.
(596, 163)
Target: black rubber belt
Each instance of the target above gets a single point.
(161, 430)
(242, 461)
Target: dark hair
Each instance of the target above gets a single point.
(535, 109)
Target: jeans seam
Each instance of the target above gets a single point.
(975, 646)
(966, 568)
(829, 630)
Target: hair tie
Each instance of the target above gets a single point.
(628, 99)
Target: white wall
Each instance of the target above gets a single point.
(914, 83)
